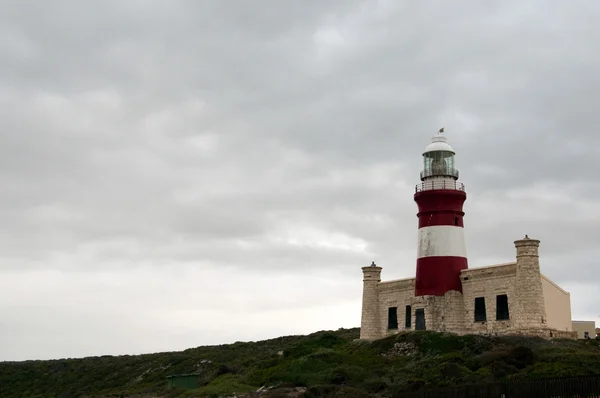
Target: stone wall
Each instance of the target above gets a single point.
(397, 293)
(488, 282)
(546, 333)
(442, 313)
(563, 334)
(428, 304)
(451, 312)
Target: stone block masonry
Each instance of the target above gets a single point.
(370, 324)
(529, 296)
(488, 284)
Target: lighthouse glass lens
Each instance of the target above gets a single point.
(438, 163)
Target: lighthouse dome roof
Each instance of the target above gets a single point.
(438, 143)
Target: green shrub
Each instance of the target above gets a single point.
(348, 374)
(454, 371)
(374, 385)
(321, 390)
(501, 369)
(327, 363)
(350, 392)
(521, 357)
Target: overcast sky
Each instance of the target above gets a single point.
(180, 173)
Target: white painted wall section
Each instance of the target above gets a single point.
(442, 240)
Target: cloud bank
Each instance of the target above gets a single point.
(182, 173)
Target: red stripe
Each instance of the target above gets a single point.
(440, 200)
(440, 207)
(432, 219)
(438, 275)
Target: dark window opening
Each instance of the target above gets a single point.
(480, 315)
(456, 221)
(407, 317)
(502, 307)
(392, 318)
(420, 319)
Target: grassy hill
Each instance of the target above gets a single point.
(328, 363)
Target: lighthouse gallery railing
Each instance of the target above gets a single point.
(432, 185)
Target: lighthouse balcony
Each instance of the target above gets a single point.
(432, 185)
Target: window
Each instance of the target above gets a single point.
(456, 221)
(407, 317)
(586, 335)
(502, 307)
(392, 318)
(480, 315)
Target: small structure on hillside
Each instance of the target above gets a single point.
(445, 295)
(184, 381)
(585, 329)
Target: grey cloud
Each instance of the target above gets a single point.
(284, 140)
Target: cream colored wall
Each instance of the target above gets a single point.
(396, 293)
(558, 305)
(584, 326)
(488, 282)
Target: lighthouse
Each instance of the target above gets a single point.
(445, 295)
(441, 253)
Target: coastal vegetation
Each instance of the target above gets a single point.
(326, 363)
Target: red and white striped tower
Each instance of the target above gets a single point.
(442, 251)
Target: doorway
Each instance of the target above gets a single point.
(420, 319)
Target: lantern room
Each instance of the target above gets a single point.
(438, 159)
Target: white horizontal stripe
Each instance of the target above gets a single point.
(442, 240)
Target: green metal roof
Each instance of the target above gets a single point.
(184, 375)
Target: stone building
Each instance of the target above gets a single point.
(445, 294)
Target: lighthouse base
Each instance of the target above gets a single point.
(440, 313)
(438, 275)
